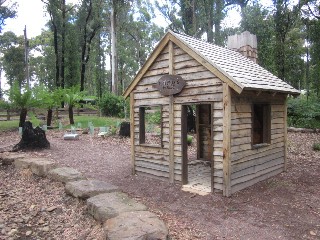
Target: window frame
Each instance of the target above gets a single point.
(142, 126)
(266, 125)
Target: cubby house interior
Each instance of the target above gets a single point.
(234, 110)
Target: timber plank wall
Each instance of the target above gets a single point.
(248, 165)
(201, 87)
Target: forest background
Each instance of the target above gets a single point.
(97, 46)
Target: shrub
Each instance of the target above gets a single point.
(316, 147)
(189, 140)
(303, 112)
(155, 116)
(113, 106)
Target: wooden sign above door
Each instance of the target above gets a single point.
(170, 84)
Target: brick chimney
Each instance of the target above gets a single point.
(246, 44)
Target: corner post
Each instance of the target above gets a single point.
(132, 133)
(285, 113)
(226, 140)
(171, 117)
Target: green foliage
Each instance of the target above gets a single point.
(112, 105)
(7, 10)
(73, 95)
(316, 147)
(154, 117)
(304, 112)
(46, 98)
(21, 99)
(35, 121)
(4, 104)
(189, 140)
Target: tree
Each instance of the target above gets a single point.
(7, 40)
(285, 19)
(259, 21)
(48, 99)
(72, 96)
(14, 66)
(89, 25)
(7, 10)
(22, 100)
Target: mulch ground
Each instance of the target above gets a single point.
(283, 207)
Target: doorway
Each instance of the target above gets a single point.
(197, 156)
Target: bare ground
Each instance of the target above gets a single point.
(283, 207)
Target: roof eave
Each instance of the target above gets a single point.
(293, 93)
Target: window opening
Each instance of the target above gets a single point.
(261, 124)
(150, 127)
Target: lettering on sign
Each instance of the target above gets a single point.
(170, 84)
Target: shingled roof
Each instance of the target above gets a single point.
(238, 71)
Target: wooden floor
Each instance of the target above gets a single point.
(199, 180)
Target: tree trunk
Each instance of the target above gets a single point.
(70, 110)
(63, 42)
(32, 138)
(217, 22)
(114, 70)
(23, 116)
(210, 21)
(49, 117)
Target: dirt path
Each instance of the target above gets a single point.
(284, 207)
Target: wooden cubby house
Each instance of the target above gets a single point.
(240, 115)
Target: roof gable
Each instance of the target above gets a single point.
(231, 67)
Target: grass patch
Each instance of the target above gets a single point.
(9, 125)
(96, 121)
(316, 147)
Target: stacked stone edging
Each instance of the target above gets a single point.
(303, 130)
(123, 217)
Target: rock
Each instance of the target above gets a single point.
(32, 207)
(41, 221)
(41, 166)
(88, 188)
(313, 233)
(108, 205)
(134, 226)
(51, 209)
(23, 163)
(9, 158)
(46, 229)
(65, 174)
(28, 233)
(12, 232)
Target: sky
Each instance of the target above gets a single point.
(32, 15)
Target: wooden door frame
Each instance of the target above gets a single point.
(184, 143)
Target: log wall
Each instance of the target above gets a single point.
(250, 165)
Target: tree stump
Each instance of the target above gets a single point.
(32, 138)
(124, 129)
